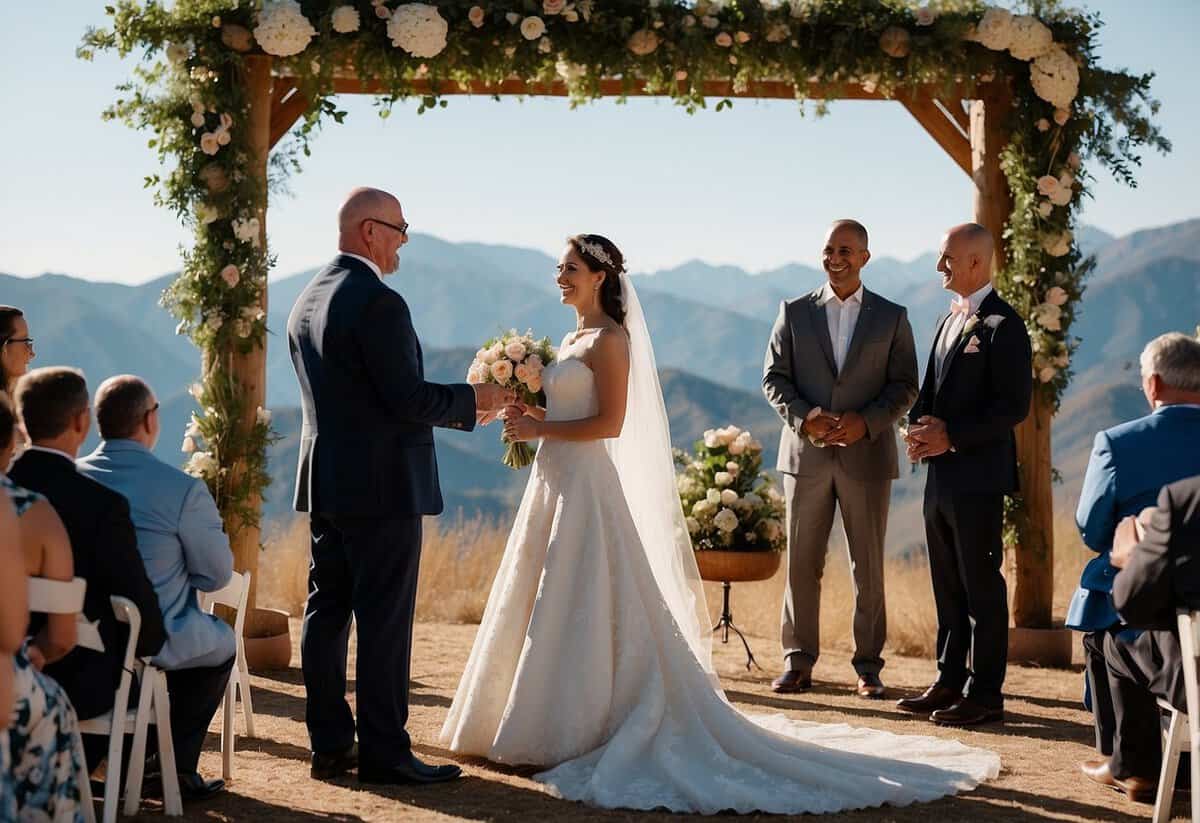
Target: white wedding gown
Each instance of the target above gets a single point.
(579, 666)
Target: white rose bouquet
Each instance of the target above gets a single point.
(730, 503)
(514, 361)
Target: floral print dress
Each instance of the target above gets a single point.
(39, 762)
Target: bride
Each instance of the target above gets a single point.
(593, 657)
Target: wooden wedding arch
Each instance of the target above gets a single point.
(969, 126)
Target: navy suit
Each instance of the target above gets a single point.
(367, 473)
(1130, 464)
(982, 397)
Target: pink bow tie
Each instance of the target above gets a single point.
(960, 306)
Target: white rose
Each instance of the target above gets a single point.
(1047, 184)
(1046, 373)
(282, 28)
(1048, 316)
(202, 464)
(496, 351)
(693, 525)
(643, 42)
(722, 478)
(1055, 77)
(737, 447)
(995, 30)
(476, 16)
(487, 356)
(733, 468)
(1030, 37)
(502, 370)
(534, 361)
(196, 390)
(1062, 195)
(209, 143)
(1045, 208)
(1057, 244)
(193, 427)
(532, 27)
(710, 22)
(418, 29)
(553, 6)
(1057, 296)
(545, 46)
(247, 230)
(713, 496)
(711, 440)
(189, 445)
(724, 40)
(729, 497)
(477, 373)
(1062, 360)
(725, 520)
(924, 16)
(1042, 124)
(345, 19)
(742, 37)
(230, 275)
(522, 373)
(535, 383)
(515, 351)
(222, 137)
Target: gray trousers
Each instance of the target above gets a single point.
(810, 507)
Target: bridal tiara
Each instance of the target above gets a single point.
(596, 252)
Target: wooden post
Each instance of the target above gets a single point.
(250, 370)
(1030, 566)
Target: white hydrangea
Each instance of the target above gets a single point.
(995, 29)
(419, 29)
(246, 230)
(1055, 77)
(345, 19)
(1031, 38)
(282, 28)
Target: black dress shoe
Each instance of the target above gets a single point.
(967, 712)
(791, 682)
(870, 687)
(334, 764)
(193, 787)
(934, 698)
(410, 772)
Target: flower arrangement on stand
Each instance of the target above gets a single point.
(729, 502)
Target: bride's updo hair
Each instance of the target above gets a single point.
(594, 248)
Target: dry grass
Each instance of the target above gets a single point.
(459, 560)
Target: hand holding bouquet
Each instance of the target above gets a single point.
(729, 502)
(515, 362)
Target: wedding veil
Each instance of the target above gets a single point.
(643, 457)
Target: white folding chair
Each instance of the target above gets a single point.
(66, 597)
(1183, 734)
(152, 698)
(235, 594)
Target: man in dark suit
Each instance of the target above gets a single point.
(840, 370)
(1130, 464)
(53, 405)
(1158, 556)
(367, 473)
(977, 388)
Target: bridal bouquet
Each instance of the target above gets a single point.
(514, 361)
(730, 502)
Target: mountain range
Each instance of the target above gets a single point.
(710, 325)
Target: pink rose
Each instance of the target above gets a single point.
(230, 275)
(475, 15)
(502, 370)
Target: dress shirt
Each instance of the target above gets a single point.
(842, 316)
(370, 263)
(954, 326)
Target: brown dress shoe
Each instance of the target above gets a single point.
(1138, 789)
(967, 712)
(934, 698)
(870, 687)
(791, 682)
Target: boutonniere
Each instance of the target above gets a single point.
(993, 321)
(971, 323)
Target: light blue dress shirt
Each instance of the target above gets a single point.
(182, 542)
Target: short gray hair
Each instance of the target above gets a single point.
(1175, 358)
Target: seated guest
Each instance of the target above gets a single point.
(53, 404)
(13, 615)
(1130, 463)
(46, 549)
(1159, 573)
(182, 542)
(16, 353)
(43, 765)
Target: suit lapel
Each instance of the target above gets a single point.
(820, 327)
(963, 337)
(862, 328)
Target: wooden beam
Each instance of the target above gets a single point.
(285, 111)
(942, 129)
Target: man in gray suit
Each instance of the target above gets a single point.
(840, 370)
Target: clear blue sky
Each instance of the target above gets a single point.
(754, 186)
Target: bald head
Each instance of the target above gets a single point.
(123, 409)
(966, 258)
(371, 224)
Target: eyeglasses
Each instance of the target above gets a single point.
(402, 228)
(28, 341)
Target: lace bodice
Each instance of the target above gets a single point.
(570, 386)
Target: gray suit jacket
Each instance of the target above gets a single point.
(878, 380)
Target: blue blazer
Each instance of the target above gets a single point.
(182, 543)
(1130, 464)
(366, 444)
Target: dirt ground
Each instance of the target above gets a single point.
(1045, 735)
